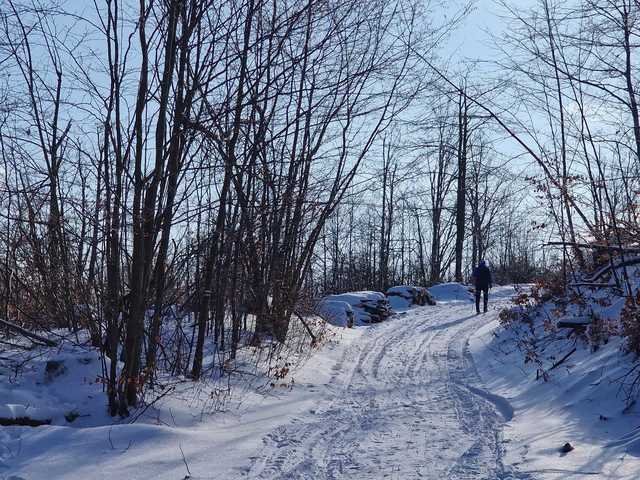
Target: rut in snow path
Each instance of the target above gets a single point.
(405, 402)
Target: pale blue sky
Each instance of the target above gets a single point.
(472, 40)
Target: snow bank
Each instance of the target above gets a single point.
(172, 432)
(71, 393)
(336, 312)
(581, 402)
(451, 292)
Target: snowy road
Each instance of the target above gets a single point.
(404, 402)
(399, 400)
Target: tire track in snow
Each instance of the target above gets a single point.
(404, 403)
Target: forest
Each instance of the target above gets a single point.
(182, 181)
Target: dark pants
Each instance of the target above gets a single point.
(485, 291)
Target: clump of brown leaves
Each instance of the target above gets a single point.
(630, 320)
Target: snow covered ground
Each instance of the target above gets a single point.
(403, 399)
(172, 440)
(404, 403)
(581, 403)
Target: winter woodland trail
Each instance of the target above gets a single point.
(405, 402)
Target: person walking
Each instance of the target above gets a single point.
(483, 282)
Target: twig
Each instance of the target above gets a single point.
(184, 459)
(155, 400)
(559, 362)
(313, 337)
(113, 447)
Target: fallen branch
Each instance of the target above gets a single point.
(602, 270)
(561, 361)
(313, 337)
(17, 345)
(577, 324)
(595, 246)
(30, 335)
(593, 285)
(184, 459)
(141, 412)
(23, 422)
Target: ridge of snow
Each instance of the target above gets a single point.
(581, 404)
(99, 447)
(451, 292)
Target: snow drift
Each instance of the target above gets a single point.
(563, 364)
(451, 292)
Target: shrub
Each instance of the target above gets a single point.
(600, 330)
(630, 319)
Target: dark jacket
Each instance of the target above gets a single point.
(482, 276)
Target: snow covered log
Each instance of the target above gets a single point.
(574, 322)
(23, 422)
(20, 415)
(367, 307)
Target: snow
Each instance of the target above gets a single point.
(354, 298)
(451, 292)
(335, 312)
(581, 403)
(436, 392)
(77, 388)
(216, 445)
(402, 405)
